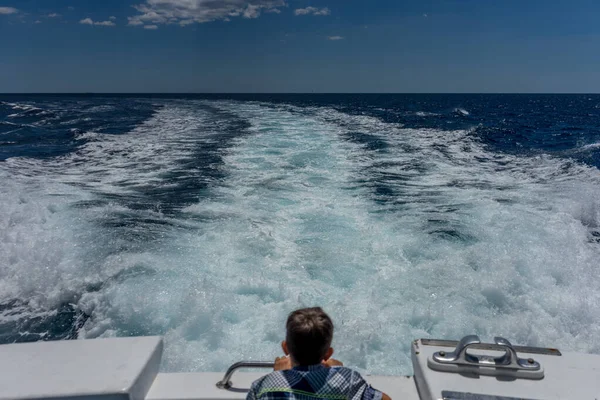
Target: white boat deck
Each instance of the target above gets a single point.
(193, 386)
(127, 369)
(108, 369)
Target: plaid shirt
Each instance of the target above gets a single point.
(313, 382)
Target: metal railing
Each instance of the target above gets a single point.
(225, 383)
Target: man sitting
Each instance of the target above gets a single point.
(308, 371)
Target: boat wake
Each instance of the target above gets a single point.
(211, 220)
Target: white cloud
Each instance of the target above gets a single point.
(54, 15)
(312, 10)
(104, 23)
(8, 10)
(252, 11)
(89, 21)
(112, 18)
(185, 12)
(151, 27)
(38, 22)
(335, 37)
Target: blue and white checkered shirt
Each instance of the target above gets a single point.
(313, 382)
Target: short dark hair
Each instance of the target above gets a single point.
(309, 334)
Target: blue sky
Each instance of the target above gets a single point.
(299, 46)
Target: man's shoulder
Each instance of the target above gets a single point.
(273, 378)
(346, 372)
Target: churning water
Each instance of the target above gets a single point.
(206, 219)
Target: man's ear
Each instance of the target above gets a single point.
(328, 354)
(284, 348)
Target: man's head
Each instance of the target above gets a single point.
(308, 337)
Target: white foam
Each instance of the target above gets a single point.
(426, 114)
(39, 256)
(50, 250)
(122, 163)
(24, 110)
(21, 106)
(591, 146)
(290, 227)
(296, 222)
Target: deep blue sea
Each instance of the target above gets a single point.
(207, 218)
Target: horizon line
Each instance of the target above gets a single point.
(297, 93)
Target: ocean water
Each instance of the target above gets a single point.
(206, 219)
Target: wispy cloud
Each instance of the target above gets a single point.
(112, 18)
(38, 22)
(186, 12)
(151, 27)
(8, 10)
(335, 37)
(252, 11)
(312, 11)
(89, 21)
(53, 15)
(104, 23)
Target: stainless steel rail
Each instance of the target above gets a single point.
(225, 383)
